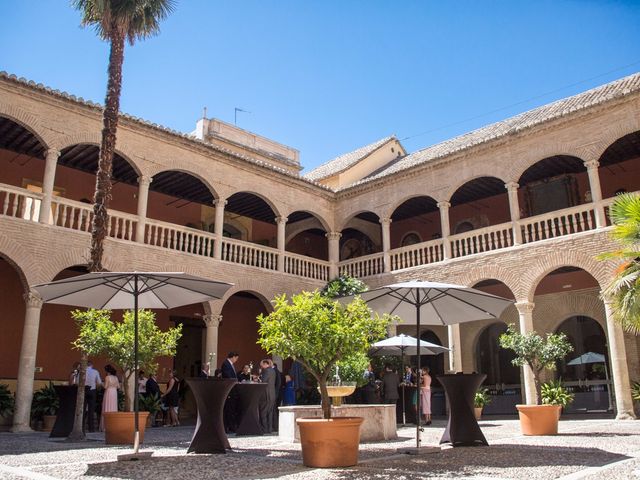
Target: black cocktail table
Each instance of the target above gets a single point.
(67, 395)
(210, 395)
(249, 396)
(462, 427)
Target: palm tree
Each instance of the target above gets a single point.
(624, 289)
(114, 21)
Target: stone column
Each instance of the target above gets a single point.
(514, 208)
(455, 344)
(282, 236)
(386, 243)
(525, 311)
(27, 365)
(143, 196)
(47, 185)
(619, 367)
(334, 253)
(210, 353)
(596, 191)
(445, 227)
(218, 227)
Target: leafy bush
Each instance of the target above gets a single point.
(344, 285)
(553, 393)
(635, 390)
(149, 403)
(352, 369)
(45, 402)
(481, 398)
(6, 401)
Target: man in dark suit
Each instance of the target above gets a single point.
(228, 368)
(390, 385)
(231, 405)
(268, 376)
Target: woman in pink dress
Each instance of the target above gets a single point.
(425, 395)
(110, 398)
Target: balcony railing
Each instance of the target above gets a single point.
(21, 203)
(364, 266)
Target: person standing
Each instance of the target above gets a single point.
(369, 389)
(228, 370)
(75, 373)
(142, 383)
(204, 371)
(93, 381)
(425, 395)
(171, 400)
(289, 391)
(268, 376)
(110, 397)
(390, 385)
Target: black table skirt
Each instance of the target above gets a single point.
(210, 394)
(462, 427)
(249, 397)
(67, 394)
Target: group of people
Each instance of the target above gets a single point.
(389, 384)
(273, 397)
(147, 386)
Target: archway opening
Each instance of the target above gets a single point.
(619, 168)
(414, 221)
(494, 361)
(12, 322)
(566, 279)
(434, 362)
(306, 235)
(254, 217)
(361, 235)
(479, 203)
(553, 183)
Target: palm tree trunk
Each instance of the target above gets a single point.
(102, 194)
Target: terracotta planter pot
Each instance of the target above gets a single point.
(478, 412)
(539, 419)
(119, 427)
(330, 443)
(48, 422)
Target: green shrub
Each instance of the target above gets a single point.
(635, 390)
(45, 402)
(553, 393)
(481, 398)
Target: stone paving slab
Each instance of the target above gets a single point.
(589, 449)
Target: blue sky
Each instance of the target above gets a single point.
(327, 77)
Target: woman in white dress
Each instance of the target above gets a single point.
(110, 398)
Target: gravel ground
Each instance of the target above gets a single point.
(584, 449)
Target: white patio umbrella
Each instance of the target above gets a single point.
(405, 345)
(132, 290)
(591, 357)
(432, 303)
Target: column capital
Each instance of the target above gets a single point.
(333, 235)
(52, 152)
(145, 180)
(591, 164)
(511, 186)
(212, 320)
(385, 221)
(525, 307)
(220, 201)
(444, 204)
(281, 220)
(32, 299)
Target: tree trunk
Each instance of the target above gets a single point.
(324, 395)
(536, 381)
(77, 433)
(102, 194)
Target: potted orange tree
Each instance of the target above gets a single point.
(539, 353)
(100, 335)
(318, 332)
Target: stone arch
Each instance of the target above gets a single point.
(274, 208)
(198, 172)
(509, 277)
(541, 267)
(24, 265)
(394, 206)
(344, 224)
(455, 187)
(67, 258)
(572, 306)
(94, 138)
(28, 121)
(202, 179)
(502, 356)
(325, 225)
(613, 135)
(545, 150)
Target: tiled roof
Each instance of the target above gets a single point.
(560, 108)
(98, 107)
(343, 162)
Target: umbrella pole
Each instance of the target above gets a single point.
(404, 415)
(418, 373)
(136, 438)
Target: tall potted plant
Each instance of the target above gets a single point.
(115, 340)
(539, 353)
(6, 405)
(318, 332)
(45, 406)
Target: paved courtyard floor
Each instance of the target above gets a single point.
(584, 449)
